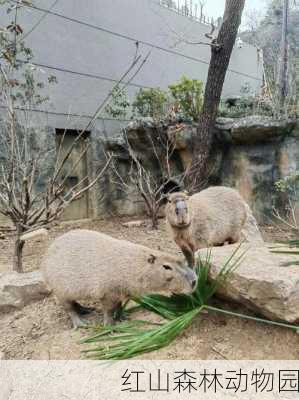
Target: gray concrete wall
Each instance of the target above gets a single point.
(69, 45)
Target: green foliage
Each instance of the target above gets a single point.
(188, 96)
(288, 183)
(150, 103)
(244, 107)
(116, 343)
(119, 104)
(19, 76)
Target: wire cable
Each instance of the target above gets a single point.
(126, 37)
(84, 74)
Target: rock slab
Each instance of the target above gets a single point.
(264, 282)
(18, 290)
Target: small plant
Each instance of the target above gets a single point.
(244, 107)
(150, 103)
(188, 96)
(119, 103)
(288, 183)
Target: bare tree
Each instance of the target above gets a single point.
(221, 52)
(31, 195)
(148, 182)
(20, 176)
(289, 217)
(202, 5)
(27, 197)
(153, 181)
(276, 34)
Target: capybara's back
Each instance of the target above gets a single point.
(218, 216)
(81, 261)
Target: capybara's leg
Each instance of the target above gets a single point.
(110, 311)
(108, 317)
(117, 312)
(189, 255)
(234, 238)
(82, 310)
(188, 252)
(76, 320)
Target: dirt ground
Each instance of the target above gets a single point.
(43, 331)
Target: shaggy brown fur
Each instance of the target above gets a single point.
(87, 265)
(208, 218)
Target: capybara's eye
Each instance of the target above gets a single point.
(167, 267)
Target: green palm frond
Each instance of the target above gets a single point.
(178, 304)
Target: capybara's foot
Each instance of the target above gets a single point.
(108, 319)
(76, 320)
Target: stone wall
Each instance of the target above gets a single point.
(250, 154)
(257, 153)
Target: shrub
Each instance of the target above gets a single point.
(188, 96)
(289, 183)
(243, 107)
(119, 104)
(150, 103)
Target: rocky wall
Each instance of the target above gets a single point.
(250, 154)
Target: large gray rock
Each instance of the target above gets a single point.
(263, 282)
(253, 129)
(18, 290)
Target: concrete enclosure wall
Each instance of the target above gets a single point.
(88, 45)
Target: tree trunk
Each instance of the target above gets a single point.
(154, 216)
(18, 252)
(222, 48)
(155, 223)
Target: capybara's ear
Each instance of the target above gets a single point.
(152, 259)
